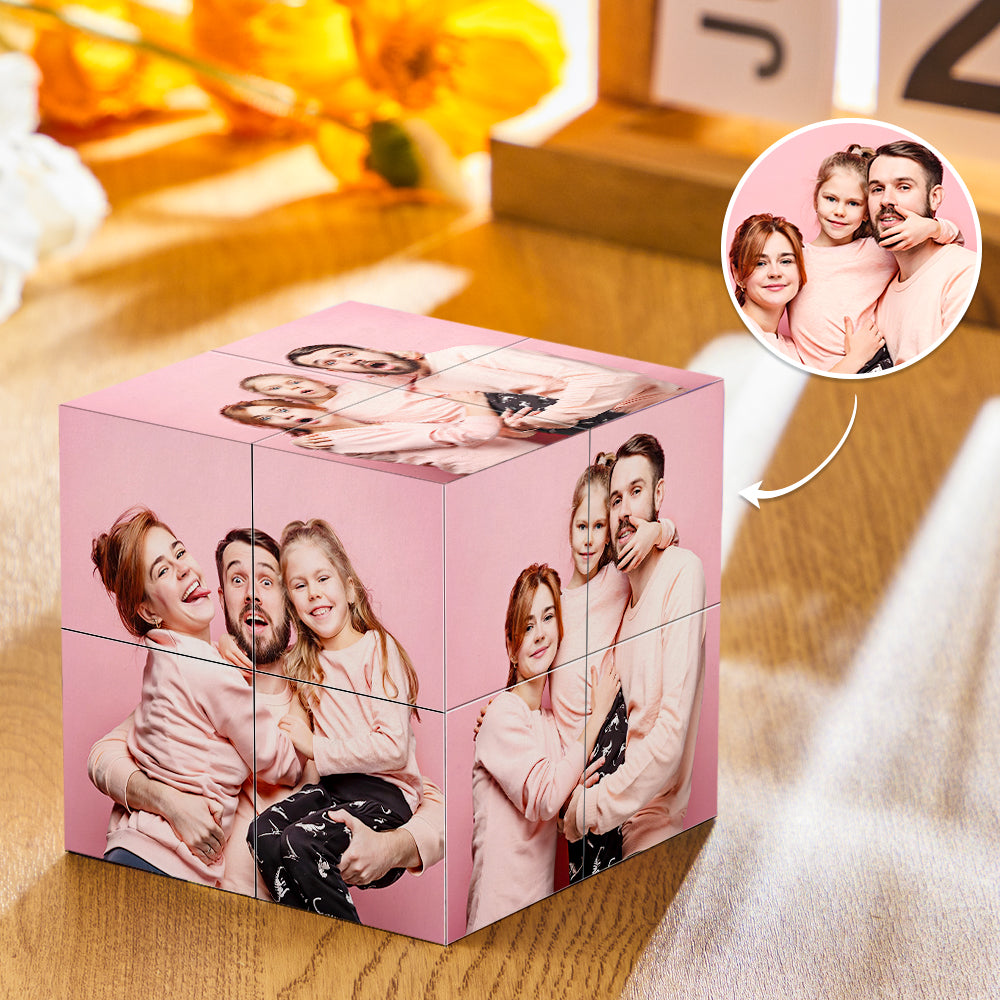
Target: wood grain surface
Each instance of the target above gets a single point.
(804, 886)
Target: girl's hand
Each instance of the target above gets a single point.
(319, 439)
(604, 687)
(196, 821)
(911, 232)
(860, 346)
(229, 651)
(519, 420)
(298, 731)
(642, 542)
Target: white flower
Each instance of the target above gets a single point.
(49, 201)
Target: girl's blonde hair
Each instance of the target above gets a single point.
(599, 475)
(302, 662)
(854, 159)
(519, 609)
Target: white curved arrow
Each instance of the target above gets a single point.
(754, 494)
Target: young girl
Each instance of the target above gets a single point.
(362, 742)
(848, 268)
(198, 728)
(523, 771)
(448, 434)
(592, 605)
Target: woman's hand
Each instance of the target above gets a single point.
(860, 346)
(914, 230)
(231, 652)
(604, 687)
(298, 731)
(196, 821)
(592, 775)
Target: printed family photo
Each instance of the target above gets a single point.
(851, 248)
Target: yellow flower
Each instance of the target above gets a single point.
(305, 45)
(460, 65)
(86, 80)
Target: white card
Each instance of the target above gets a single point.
(939, 72)
(764, 58)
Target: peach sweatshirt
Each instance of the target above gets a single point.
(842, 281)
(521, 776)
(913, 315)
(111, 765)
(364, 727)
(196, 730)
(591, 615)
(662, 673)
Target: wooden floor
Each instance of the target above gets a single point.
(842, 863)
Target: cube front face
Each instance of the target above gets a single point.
(437, 527)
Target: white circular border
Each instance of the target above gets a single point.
(903, 133)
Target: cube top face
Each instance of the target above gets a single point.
(425, 392)
(435, 549)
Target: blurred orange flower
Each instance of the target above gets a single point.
(86, 80)
(305, 45)
(460, 65)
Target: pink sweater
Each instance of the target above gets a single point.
(196, 730)
(662, 672)
(520, 778)
(913, 315)
(842, 281)
(591, 616)
(111, 765)
(364, 727)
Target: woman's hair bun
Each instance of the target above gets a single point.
(865, 152)
(606, 458)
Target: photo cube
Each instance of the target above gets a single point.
(379, 524)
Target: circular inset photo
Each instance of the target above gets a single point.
(851, 248)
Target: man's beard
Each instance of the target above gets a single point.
(628, 520)
(261, 652)
(410, 365)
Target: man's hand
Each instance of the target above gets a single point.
(195, 819)
(370, 855)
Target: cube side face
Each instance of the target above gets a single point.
(498, 523)
(390, 529)
(503, 857)
(667, 781)
(182, 698)
(378, 784)
(108, 465)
